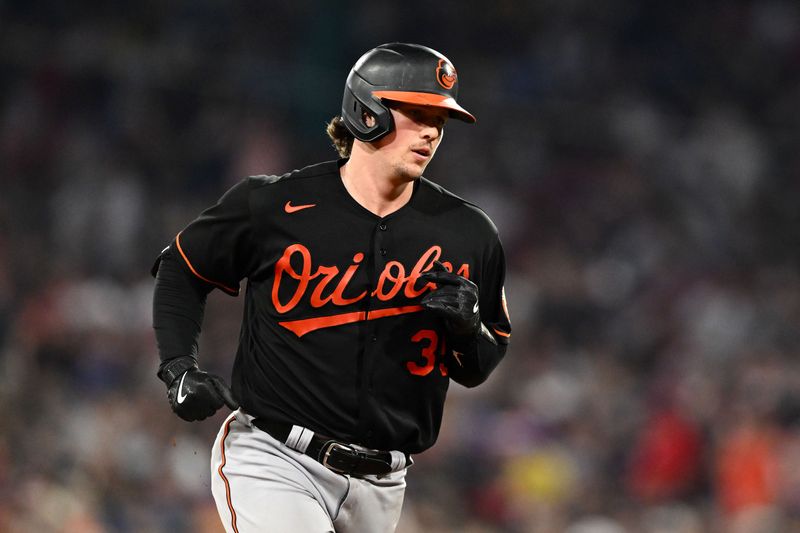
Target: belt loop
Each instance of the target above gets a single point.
(398, 460)
(299, 438)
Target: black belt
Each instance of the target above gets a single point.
(336, 456)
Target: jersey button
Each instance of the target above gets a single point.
(383, 251)
(374, 338)
(383, 227)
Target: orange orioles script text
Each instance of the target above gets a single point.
(392, 280)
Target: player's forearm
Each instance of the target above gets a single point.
(474, 365)
(178, 307)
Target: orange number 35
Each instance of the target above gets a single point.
(428, 353)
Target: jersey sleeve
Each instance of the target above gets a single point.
(217, 247)
(471, 365)
(494, 310)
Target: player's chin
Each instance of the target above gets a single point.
(415, 175)
(410, 172)
(416, 168)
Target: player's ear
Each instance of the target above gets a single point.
(368, 119)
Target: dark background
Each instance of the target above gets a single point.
(640, 160)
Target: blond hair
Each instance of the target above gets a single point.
(340, 136)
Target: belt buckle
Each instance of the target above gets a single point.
(339, 446)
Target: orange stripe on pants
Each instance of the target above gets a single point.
(222, 474)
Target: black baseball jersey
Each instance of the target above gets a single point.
(333, 335)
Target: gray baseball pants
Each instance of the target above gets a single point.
(261, 485)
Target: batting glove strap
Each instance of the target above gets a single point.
(172, 369)
(486, 334)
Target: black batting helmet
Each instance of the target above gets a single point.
(398, 72)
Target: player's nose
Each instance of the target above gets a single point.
(430, 132)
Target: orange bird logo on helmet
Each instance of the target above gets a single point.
(446, 74)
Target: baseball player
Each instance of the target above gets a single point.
(369, 288)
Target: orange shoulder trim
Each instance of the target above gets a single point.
(196, 273)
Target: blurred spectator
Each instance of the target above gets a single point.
(666, 460)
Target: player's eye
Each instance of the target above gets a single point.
(429, 119)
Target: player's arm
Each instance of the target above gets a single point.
(214, 251)
(478, 328)
(178, 308)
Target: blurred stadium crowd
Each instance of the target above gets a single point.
(640, 160)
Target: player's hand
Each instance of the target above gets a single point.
(196, 395)
(455, 299)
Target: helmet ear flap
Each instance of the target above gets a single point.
(357, 100)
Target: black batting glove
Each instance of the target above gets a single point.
(195, 394)
(455, 299)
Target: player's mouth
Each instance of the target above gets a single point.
(423, 152)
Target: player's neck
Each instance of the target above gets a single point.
(377, 189)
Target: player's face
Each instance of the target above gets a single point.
(413, 141)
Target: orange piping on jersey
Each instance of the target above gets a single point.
(307, 325)
(189, 264)
(222, 475)
(393, 311)
(501, 333)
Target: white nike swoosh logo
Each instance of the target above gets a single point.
(181, 396)
(475, 309)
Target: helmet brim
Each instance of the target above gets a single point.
(427, 99)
